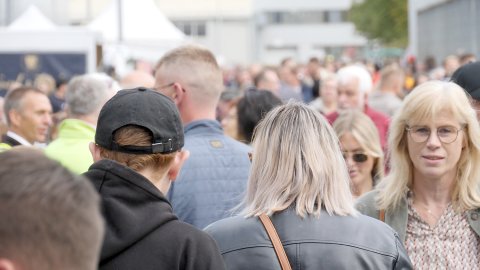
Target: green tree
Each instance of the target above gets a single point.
(382, 20)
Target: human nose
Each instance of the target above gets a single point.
(433, 139)
(47, 120)
(349, 160)
(342, 100)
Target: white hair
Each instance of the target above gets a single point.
(346, 74)
(86, 94)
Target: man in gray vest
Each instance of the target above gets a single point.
(213, 179)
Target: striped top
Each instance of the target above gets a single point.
(450, 244)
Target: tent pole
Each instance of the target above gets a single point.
(120, 24)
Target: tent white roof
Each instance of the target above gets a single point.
(32, 20)
(142, 22)
(146, 33)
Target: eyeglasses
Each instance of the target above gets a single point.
(357, 157)
(446, 134)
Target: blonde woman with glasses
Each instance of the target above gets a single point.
(361, 148)
(431, 196)
(299, 179)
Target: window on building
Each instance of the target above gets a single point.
(192, 28)
(201, 29)
(312, 17)
(335, 16)
(306, 17)
(187, 29)
(281, 48)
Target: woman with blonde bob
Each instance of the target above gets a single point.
(431, 196)
(299, 179)
(361, 149)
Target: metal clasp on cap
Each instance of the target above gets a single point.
(164, 145)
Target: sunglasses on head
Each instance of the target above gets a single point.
(357, 157)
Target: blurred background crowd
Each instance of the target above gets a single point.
(404, 138)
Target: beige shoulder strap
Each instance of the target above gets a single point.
(381, 215)
(277, 244)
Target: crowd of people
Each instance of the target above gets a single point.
(357, 166)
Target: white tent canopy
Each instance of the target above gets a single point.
(32, 20)
(145, 32)
(142, 21)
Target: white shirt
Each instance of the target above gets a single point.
(18, 138)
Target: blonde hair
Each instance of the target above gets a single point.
(297, 162)
(424, 103)
(196, 68)
(135, 135)
(390, 73)
(365, 133)
(45, 82)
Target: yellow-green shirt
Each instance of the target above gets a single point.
(71, 146)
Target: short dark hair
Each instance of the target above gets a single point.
(252, 108)
(314, 60)
(14, 98)
(50, 218)
(262, 75)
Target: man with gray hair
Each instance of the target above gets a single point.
(28, 114)
(354, 85)
(215, 176)
(85, 97)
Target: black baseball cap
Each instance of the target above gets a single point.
(468, 77)
(144, 108)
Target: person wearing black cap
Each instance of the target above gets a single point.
(468, 77)
(138, 153)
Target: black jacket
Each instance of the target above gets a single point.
(141, 230)
(328, 242)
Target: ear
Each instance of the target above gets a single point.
(179, 93)
(6, 264)
(95, 151)
(180, 158)
(365, 99)
(15, 118)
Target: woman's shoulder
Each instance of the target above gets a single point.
(235, 232)
(367, 204)
(230, 223)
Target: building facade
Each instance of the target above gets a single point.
(444, 27)
(237, 31)
(304, 28)
(266, 31)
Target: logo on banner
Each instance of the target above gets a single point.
(31, 61)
